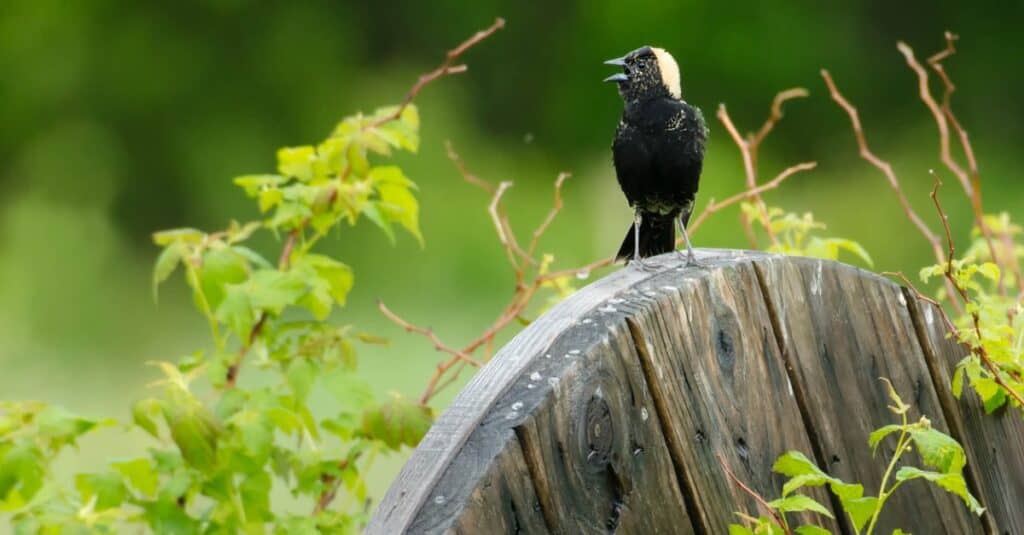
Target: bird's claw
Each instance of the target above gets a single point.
(689, 259)
(644, 266)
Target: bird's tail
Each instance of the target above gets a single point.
(657, 236)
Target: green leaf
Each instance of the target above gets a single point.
(107, 488)
(256, 433)
(61, 427)
(338, 276)
(877, 435)
(192, 236)
(860, 510)
(736, 529)
(301, 376)
(847, 491)
(990, 271)
(143, 412)
(255, 492)
(397, 203)
(951, 482)
(352, 392)
(804, 480)
(397, 422)
(253, 257)
(371, 211)
(809, 529)
(958, 382)
(799, 502)
(236, 311)
(194, 430)
(273, 290)
(794, 463)
(167, 262)
(254, 184)
(140, 473)
(939, 450)
(269, 198)
(220, 268)
(296, 162)
(22, 468)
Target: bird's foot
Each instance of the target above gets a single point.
(645, 266)
(689, 259)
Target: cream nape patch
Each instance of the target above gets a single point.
(669, 72)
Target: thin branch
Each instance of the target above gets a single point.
(555, 208)
(505, 234)
(466, 175)
(972, 163)
(751, 177)
(446, 68)
(717, 206)
(890, 175)
(429, 334)
(776, 516)
(754, 140)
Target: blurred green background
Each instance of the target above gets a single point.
(122, 117)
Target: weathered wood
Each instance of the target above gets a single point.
(595, 447)
(607, 413)
(711, 356)
(994, 443)
(842, 329)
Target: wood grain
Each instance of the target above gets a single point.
(843, 329)
(711, 356)
(606, 414)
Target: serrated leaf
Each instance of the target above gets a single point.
(860, 510)
(846, 491)
(371, 211)
(251, 256)
(990, 271)
(397, 422)
(938, 450)
(951, 482)
(164, 238)
(296, 162)
(352, 392)
(236, 311)
(140, 473)
(338, 276)
(736, 529)
(804, 480)
(794, 463)
(254, 184)
(167, 262)
(107, 489)
(273, 290)
(799, 502)
(877, 435)
(398, 204)
(220, 268)
(958, 382)
(194, 430)
(301, 375)
(21, 471)
(143, 413)
(809, 529)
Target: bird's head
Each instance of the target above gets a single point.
(647, 72)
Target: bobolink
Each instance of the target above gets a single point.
(658, 152)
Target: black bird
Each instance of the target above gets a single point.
(658, 152)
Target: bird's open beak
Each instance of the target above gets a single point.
(620, 77)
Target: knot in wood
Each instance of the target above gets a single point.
(600, 431)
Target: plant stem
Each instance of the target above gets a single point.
(901, 445)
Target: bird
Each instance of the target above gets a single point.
(658, 153)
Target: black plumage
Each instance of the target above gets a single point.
(658, 152)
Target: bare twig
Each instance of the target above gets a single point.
(447, 67)
(943, 117)
(751, 177)
(429, 334)
(890, 175)
(776, 516)
(755, 139)
(555, 208)
(717, 206)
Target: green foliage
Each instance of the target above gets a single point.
(222, 443)
(937, 450)
(989, 324)
(795, 234)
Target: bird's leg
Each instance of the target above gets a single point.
(689, 257)
(640, 264)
